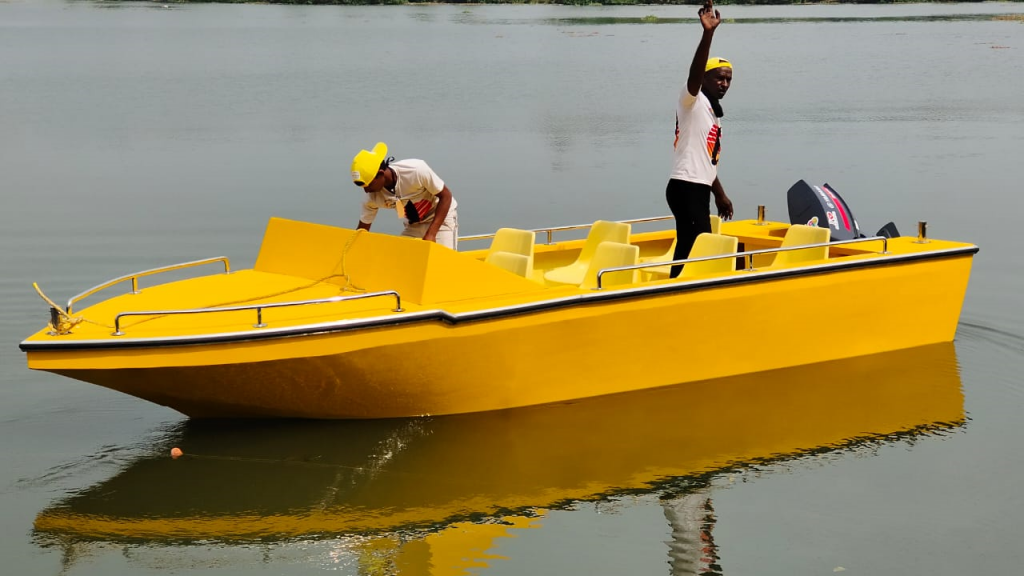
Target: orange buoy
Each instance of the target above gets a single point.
(175, 452)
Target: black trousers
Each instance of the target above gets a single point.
(690, 203)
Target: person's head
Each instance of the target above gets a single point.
(717, 78)
(368, 167)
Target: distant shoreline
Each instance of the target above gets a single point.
(581, 2)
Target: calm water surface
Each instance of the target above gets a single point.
(134, 135)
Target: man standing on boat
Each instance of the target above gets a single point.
(423, 201)
(698, 143)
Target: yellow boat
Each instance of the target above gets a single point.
(338, 323)
(461, 481)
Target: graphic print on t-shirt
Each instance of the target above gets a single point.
(415, 211)
(715, 144)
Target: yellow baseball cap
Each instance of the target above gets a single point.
(366, 164)
(717, 62)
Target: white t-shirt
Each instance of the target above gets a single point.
(414, 197)
(697, 144)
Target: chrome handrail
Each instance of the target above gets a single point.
(748, 255)
(552, 230)
(257, 307)
(134, 277)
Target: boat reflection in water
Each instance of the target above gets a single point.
(433, 495)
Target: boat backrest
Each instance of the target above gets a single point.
(711, 245)
(600, 231)
(513, 241)
(603, 231)
(801, 235)
(612, 255)
(515, 263)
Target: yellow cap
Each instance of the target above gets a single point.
(717, 62)
(366, 164)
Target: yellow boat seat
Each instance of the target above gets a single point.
(705, 245)
(800, 235)
(611, 255)
(716, 228)
(601, 231)
(514, 263)
(513, 241)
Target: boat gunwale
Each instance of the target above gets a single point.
(743, 277)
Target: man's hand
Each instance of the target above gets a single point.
(430, 237)
(724, 206)
(709, 17)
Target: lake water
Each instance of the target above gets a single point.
(134, 135)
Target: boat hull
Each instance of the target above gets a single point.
(625, 341)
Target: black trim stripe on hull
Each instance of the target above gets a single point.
(492, 313)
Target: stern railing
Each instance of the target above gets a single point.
(550, 231)
(749, 256)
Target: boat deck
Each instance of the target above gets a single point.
(300, 281)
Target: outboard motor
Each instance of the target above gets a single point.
(822, 206)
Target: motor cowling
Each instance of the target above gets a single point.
(822, 206)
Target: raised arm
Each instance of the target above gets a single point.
(709, 20)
